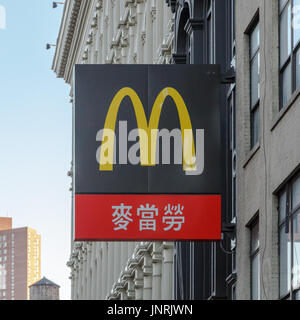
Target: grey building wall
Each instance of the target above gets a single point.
(262, 170)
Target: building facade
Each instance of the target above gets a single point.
(257, 45)
(204, 34)
(20, 260)
(44, 289)
(140, 32)
(268, 150)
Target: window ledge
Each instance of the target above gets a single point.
(251, 154)
(284, 110)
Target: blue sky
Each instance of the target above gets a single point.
(35, 133)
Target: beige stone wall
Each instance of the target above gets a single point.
(117, 32)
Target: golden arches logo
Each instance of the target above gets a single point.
(148, 133)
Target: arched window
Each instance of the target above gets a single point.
(204, 34)
(195, 34)
(183, 45)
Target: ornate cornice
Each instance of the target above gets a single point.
(65, 38)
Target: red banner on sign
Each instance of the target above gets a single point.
(147, 217)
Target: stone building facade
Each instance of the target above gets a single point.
(115, 32)
(257, 44)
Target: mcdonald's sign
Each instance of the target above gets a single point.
(147, 152)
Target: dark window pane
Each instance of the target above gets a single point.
(285, 261)
(255, 262)
(254, 127)
(296, 22)
(233, 198)
(255, 66)
(233, 293)
(282, 207)
(298, 68)
(296, 193)
(233, 260)
(296, 251)
(255, 285)
(208, 5)
(282, 4)
(210, 40)
(255, 237)
(254, 41)
(286, 84)
(285, 35)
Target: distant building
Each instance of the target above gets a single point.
(20, 256)
(44, 290)
(5, 223)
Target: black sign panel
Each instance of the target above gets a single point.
(181, 97)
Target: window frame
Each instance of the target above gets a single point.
(255, 107)
(254, 253)
(231, 133)
(292, 56)
(210, 31)
(288, 224)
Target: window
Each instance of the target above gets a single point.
(289, 40)
(210, 32)
(255, 260)
(254, 83)
(232, 135)
(289, 239)
(232, 120)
